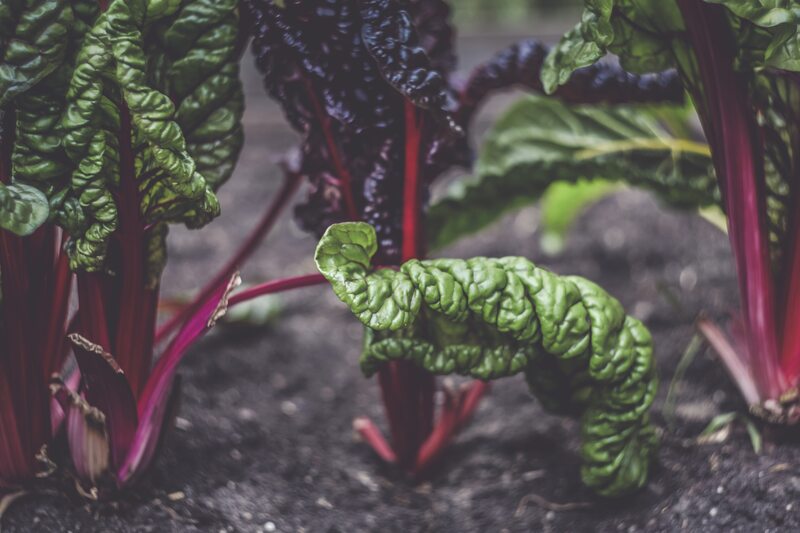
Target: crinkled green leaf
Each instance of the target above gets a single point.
(573, 51)
(775, 41)
(33, 42)
(780, 20)
(200, 67)
(766, 13)
(22, 208)
(38, 156)
(157, 9)
(645, 35)
(490, 318)
(540, 141)
(111, 70)
(649, 36)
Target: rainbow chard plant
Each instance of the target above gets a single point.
(370, 86)
(133, 125)
(37, 40)
(739, 61)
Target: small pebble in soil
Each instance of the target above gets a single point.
(182, 424)
(279, 382)
(269, 527)
(325, 504)
(176, 496)
(246, 414)
(533, 474)
(688, 279)
(713, 512)
(424, 488)
(367, 481)
(288, 408)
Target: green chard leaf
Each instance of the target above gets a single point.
(110, 71)
(33, 43)
(562, 203)
(541, 141)
(779, 20)
(198, 66)
(650, 37)
(490, 318)
(22, 208)
(33, 85)
(645, 35)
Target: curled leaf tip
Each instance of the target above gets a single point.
(82, 342)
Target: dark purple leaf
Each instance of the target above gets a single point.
(391, 39)
(520, 64)
(431, 18)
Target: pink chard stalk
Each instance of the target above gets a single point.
(35, 285)
(739, 62)
(764, 358)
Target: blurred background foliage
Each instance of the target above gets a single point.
(510, 12)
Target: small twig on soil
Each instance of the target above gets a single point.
(175, 515)
(547, 504)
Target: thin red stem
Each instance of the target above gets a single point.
(411, 203)
(391, 395)
(408, 390)
(133, 337)
(345, 180)
(790, 350)
(259, 232)
(456, 412)
(92, 309)
(472, 399)
(441, 435)
(278, 285)
(373, 436)
(57, 321)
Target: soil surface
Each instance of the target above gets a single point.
(264, 443)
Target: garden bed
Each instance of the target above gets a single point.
(264, 442)
(264, 439)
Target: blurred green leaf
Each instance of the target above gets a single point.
(541, 141)
(562, 203)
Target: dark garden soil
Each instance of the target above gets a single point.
(264, 442)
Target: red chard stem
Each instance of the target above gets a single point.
(740, 166)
